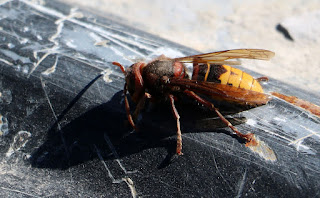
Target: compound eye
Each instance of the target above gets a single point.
(178, 69)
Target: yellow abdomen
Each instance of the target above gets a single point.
(237, 78)
(226, 75)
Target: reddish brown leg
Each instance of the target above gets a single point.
(126, 102)
(177, 117)
(248, 137)
(140, 105)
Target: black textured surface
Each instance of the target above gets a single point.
(66, 133)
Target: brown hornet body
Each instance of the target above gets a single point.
(164, 78)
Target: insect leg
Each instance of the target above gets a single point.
(177, 117)
(140, 105)
(126, 102)
(248, 137)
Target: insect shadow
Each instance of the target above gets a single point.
(105, 127)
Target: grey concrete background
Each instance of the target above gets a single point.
(228, 24)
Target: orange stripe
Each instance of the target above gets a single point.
(207, 73)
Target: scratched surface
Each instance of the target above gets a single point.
(62, 130)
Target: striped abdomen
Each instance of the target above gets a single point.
(227, 75)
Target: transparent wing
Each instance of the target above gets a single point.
(221, 56)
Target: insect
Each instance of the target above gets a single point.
(163, 79)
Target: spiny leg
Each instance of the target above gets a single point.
(177, 117)
(248, 137)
